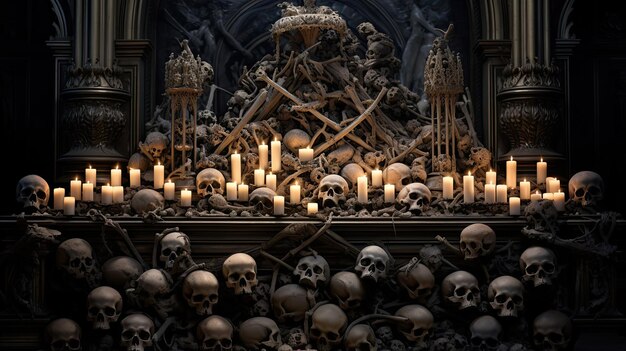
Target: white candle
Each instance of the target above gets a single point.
(536, 196)
(235, 167)
(514, 206)
(118, 194)
(107, 195)
(116, 176)
(305, 154)
(270, 181)
(279, 204)
(542, 171)
(362, 189)
(555, 185)
(548, 185)
(511, 173)
(69, 205)
(75, 189)
(185, 198)
(468, 188)
(135, 178)
(263, 156)
(501, 193)
(311, 208)
(59, 194)
(88, 191)
(259, 177)
(490, 193)
(294, 194)
(491, 177)
(559, 201)
(390, 193)
(242, 192)
(276, 156)
(159, 175)
(169, 190)
(231, 191)
(448, 187)
(377, 178)
(548, 196)
(524, 190)
(90, 175)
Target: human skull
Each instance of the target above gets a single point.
(151, 288)
(506, 296)
(539, 265)
(262, 199)
(397, 174)
(420, 322)
(586, 188)
(485, 333)
(313, 271)
(360, 338)
(375, 159)
(118, 272)
(329, 323)
(210, 181)
(296, 139)
(432, 257)
(373, 263)
(215, 333)
(417, 280)
(341, 155)
(296, 338)
(154, 145)
(541, 216)
(259, 333)
(104, 307)
(200, 290)
(146, 200)
(461, 290)
(75, 257)
(351, 172)
(261, 308)
(385, 334)
(397, 345)
(290, 303)
(477, 240)
(32, 191)
(552, 330)
(333, 190)
(174, 248)
(414, 197)
(348, 289)
(137, 331)
(240, 272)
(63, 335)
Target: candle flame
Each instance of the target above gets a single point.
(159, 163)
(490, 169)
(108, 184)
(537, 192)
(88, 182)
(469, 173)
(76, 179)
(185, 189)
(541, 159)
(511, 158)
(263, 142)
(275, 139)
(524, 179)
(169, 180)
(89, 166)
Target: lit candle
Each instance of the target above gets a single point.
(555, 185)
(263, 156)
(294, 194)
(135, 178)
(276, 156)
(270, 181)
(377, 178)
(90, 175)
(362, 189)
(514, 206)
(116, 176)
(548, 196)
(169, 190)
(536, 196)
(390, 193)
(524, 190)
(468, 188)
(279, 203)
(501, 193)
(75, 189)
(305, 154)
(88, 191)
(311, 208)
(491, 177)
(259, 177)
(559, 201)
(231, 191)
(159, 175)
(542, 170)
(548, 185)
(185, 198)
(511, 173)
(235, 167)
(490, 193)
(107, 195)
(448, 187)
(69, 205)
(59, 194)
(242, 192)
(118, 194)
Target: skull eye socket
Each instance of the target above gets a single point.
(338, 190)
(318, 270)
(332, 336)
(316, 333)
(365, 262)
(593, 190)
(144, 335)
(555, 338)
(109, 311)
(88, 261)
(324, 188)
(202, 186)
(380, 266)
(548, 267)
(58, 345)
(226, 343)
(216, 185)
(73, 343)
(250, 275)
(213, 298)
(26, 191)
(463, 245)
(180, 250)
(127, 334)
(406, 181)
(303, 267)
(413, 196)
(41, 194)
(210, 343)
(419, 331)
(167, 252)
(532, 269)
(75, 263)
(233, 277)
(93, 311)
(491, 342)
(517, 299)
(197, 298)
(501, 298)
(579, 192)
(460, 291)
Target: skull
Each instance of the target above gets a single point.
(461, 290)
(417, 280)
(154, 145)
(414, 197)
(137, 331)
(360, 338)
(32, 191)
(210, 181)
(538, 265)
(485, 333)
(240, 273)
(385, 334)
(215, 333)
(373, 263)
(541, 216)
(262, 199)
(75, 257)
(174, 248)
(329, 322)
(420, 321)
(200, 289)
(552, 330)
(333, 190)
(296, 338)
(296, 139)
(261, 308)
(397, 174)
(259, 333)
(104, 307)
(152, 288)
(313, 271)
(351, 172)
(375, 159)
(146, 200)
(506, 296)
(397, 345)
(477, 240)
(118, 272)
(432, 257)
(341, 155)
(348, 289)
(290, 302)
(63, 335)
(586, 188)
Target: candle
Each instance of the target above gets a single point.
(270, 181)
(548, 188)
(491, 177)
(555, 185)
(107, 195)
(185, 198)
(524, 190)
(118, 194)
(231, 191)
(259, 177)
(311, 208)
(90, 175)
(242, 192)
(377, 178)
(468, 188)
(390, 193)
(501, 193)
(548, 196)
(75, 189)
(305, 154)
(514, 206)
(59, 194)
(135, 178)
(159, 175)
(511, 173)
(448, 187)
(88, 191)
(263, 156)
(276, 156)
(559, 201)
(116, 176)
(542, 170)
(490, 193)
(362, 189)
(169, 190)
(279, 203)
(69, 205)
(536, 196)
(235, 167)
(294, 194)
